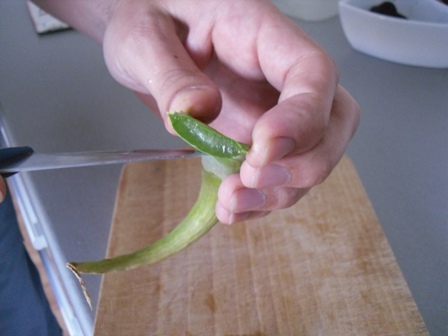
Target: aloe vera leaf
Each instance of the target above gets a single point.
(223, 158)
(198, 222)
(204, 138)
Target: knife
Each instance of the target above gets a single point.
(24, 159)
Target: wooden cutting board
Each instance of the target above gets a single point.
(322, 267)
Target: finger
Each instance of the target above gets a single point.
(308, 169)
(307, 78)
(227, 217)
(236, 202)
(143, 51)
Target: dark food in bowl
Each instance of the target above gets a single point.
(387, 8)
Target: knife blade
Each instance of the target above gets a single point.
(24, 159)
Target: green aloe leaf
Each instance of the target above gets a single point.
(224, 157)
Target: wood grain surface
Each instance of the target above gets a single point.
(321, 267)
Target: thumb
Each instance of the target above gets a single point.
(144, 52)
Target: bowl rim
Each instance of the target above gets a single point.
(348, 4)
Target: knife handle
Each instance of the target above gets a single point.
(12, 155)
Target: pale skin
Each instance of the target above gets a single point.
(2, 189)
(241, 66)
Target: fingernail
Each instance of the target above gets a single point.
(271, 176)
(181, 102)
(201, 102)
(276, 150)
(246, 199)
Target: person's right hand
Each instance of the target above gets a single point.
(2, 189)
(9, 156)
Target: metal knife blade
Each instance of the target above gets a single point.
(41, 161)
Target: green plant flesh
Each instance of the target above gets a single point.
(206, 139)
(224, 157)
(199, 221)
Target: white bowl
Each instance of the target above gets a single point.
(421, 40)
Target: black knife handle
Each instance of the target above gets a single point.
(12, 155)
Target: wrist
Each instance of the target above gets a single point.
(89, 17)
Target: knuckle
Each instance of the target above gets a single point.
(317, 174)
(177, 77)
(291, 196)
(283, 197)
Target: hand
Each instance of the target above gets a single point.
(4, 157)
(2, 189)
(9, 156)
(250, 72)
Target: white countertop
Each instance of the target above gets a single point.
(57, 96)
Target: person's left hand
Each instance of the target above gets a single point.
(253, 74)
